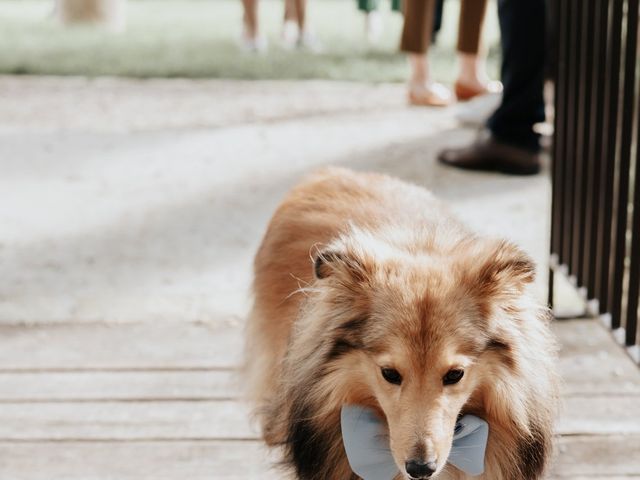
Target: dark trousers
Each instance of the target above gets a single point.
(522, 26)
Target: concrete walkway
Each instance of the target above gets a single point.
(130, 201)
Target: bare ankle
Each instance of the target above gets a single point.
(419, 69)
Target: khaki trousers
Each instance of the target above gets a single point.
(418, 25)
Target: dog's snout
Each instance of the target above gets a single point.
(419, 469)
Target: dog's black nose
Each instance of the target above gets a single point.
(417, 469)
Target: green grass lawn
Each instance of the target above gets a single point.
(198, 39)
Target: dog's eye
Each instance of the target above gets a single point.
(391, 375)
(453, 376)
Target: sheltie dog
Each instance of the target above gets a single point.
(368, 292)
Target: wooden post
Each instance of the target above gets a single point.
(110, 13)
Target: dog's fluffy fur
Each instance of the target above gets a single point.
(359, 272)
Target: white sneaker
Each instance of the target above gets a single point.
(290, 35)
(308, 41)
(257, 44)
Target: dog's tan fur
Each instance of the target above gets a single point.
(399, 283)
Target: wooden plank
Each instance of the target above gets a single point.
(229, 419)
(591, 362)
(578, 457)
(122, 346)
(595, 477)
(122, 385)
(137, 461)
(605, 456)
(125, 421)
(606, 415)
(99, 385)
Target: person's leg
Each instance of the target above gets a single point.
(522, 24)
(417, 27)
(415, 41)
(472, 78)
(372, 19)
(472, 15)
(295, 32)
(290, 30)
(289, 11)
(301, 13)
(437, 19)
(306, 37)
(250, 18)
(511, 145)
(251, 39)
(416, 36)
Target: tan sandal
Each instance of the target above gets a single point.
(464, 92)
(430, 95)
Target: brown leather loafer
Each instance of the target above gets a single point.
(488, 154)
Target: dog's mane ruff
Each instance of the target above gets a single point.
(317, 378)
(519, 400)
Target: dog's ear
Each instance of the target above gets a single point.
(324, 263)
(504, 268)
(334, 261)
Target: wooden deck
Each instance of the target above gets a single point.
(161, 401)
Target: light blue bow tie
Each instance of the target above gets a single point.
(370, 457)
